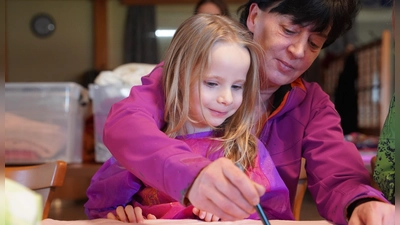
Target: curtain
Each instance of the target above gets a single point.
(140, 44)
(346, 96)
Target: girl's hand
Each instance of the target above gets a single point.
(129, 215)
(206, 216)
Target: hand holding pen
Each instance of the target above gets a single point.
(259, 209)
(223, 190)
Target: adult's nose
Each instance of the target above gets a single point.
(298, 47)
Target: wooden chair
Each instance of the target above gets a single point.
(43, 179)
(373, 165)
(301, 190)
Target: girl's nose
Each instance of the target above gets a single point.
(225, 97)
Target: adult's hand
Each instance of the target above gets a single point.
(373, 213)
(225, 191)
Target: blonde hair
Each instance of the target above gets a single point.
(187, 60)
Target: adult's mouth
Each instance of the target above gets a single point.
(285, 64)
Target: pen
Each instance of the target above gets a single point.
(259, 210)
(262, 215)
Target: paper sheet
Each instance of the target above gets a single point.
(183, 222)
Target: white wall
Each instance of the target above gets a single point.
(64, 55)
(371, 22)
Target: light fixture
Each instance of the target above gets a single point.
(165, 33)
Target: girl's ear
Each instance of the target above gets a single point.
(253, 12)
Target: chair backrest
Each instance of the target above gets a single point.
(301, 190)
(373, 165)
(43, 179)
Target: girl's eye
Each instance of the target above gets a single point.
(210, 84)
(237, 87)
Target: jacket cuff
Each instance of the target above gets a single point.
(356, 203)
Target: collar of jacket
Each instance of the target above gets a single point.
(288, 97)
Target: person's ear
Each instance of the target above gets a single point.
(253, 12)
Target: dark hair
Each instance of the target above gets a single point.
(339, 14)
(223, 7)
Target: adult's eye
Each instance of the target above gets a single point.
(313, 45)
(316, 44)
(287, 31)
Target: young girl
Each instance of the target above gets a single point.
(211, 80)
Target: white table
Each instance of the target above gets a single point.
(182, 222)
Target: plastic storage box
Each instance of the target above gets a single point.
(103, 97)
(44, 122)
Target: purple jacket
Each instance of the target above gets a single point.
(127, 189)
(305, 124)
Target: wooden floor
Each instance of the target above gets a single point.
(73, 210)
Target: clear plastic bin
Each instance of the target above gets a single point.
(103, 97)
(44, 121)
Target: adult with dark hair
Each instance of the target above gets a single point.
(297, 120)
(218, 7)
